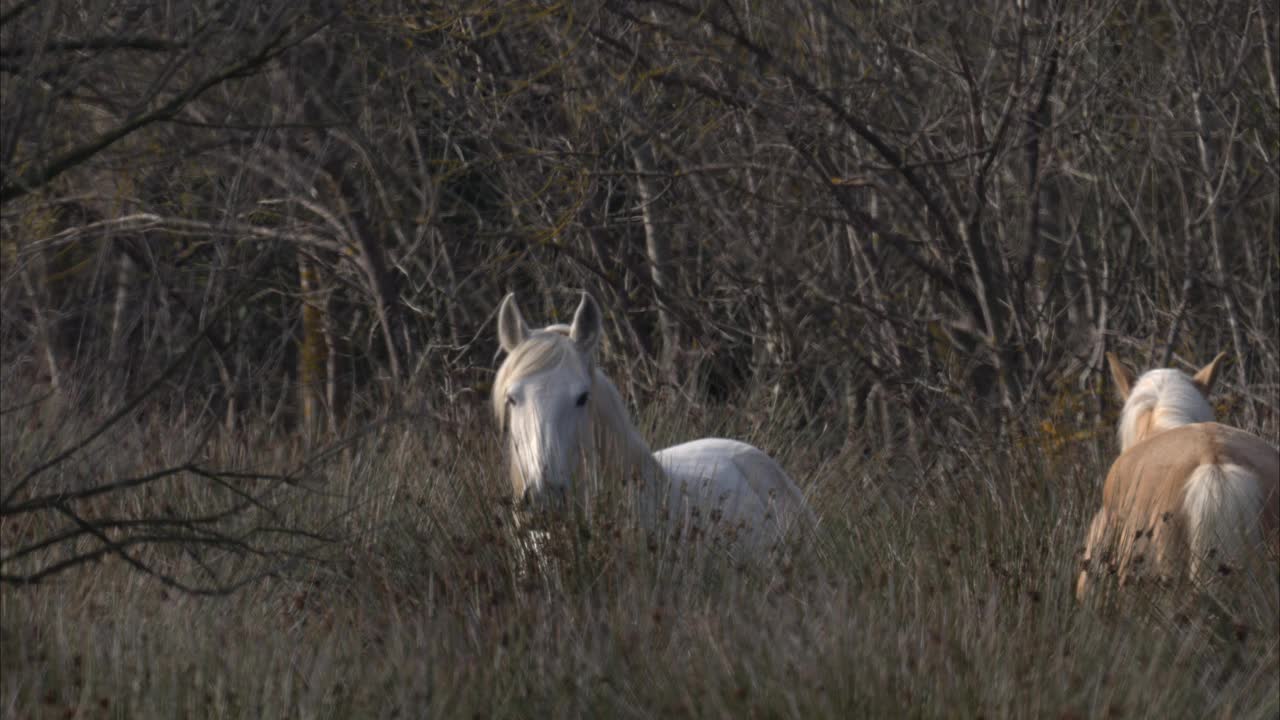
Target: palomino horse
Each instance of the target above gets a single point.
(563, 417)
(1186, 494)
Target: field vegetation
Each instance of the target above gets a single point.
(250, 257)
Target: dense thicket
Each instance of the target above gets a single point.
(908, 215)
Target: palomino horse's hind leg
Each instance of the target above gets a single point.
(1095, 542)
(1168, 547)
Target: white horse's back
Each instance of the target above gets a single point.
(734, 487)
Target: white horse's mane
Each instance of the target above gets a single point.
(618, 441)
(542, 350)
(1172, 399)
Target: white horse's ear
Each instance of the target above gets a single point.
(587, 324)
(511, 328)
(1207, 374)
(1121, 374)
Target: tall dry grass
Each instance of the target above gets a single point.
(935, 591)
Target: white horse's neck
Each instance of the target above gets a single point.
(1161, 400)
(620, 448)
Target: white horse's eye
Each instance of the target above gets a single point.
(582, 399)
(511, 400)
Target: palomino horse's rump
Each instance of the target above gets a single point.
(1199, 496)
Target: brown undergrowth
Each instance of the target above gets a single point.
(937, 591)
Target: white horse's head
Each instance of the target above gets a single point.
(1161, 399)
(542, 398)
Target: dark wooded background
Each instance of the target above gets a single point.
(907, 216)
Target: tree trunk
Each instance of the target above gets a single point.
(658, 249)
(313, 350)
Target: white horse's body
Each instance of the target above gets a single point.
(565, 418)
(732, 484)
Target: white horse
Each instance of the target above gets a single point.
(563, 418)
(1187, 495)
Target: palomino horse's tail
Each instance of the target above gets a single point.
(1222, 507)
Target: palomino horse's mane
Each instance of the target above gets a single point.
(1161, 400)
(617, 440)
